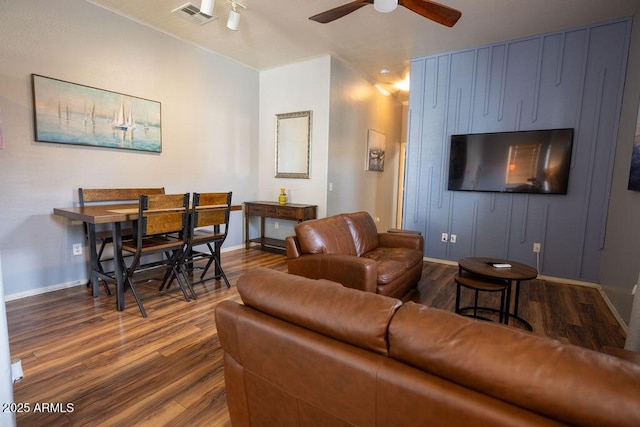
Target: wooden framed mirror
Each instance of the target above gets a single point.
(293, 144)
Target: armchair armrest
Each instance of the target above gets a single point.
(351, 271)
(401, 240)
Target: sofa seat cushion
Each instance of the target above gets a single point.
(393, 262)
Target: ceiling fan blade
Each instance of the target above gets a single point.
(434, 11)
(340, 11)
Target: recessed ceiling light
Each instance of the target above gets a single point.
(384, 71)
(403, 84)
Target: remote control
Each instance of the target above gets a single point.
(501, 265)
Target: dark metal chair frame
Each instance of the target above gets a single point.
(104, 237)
(210, 211)
(161, 228)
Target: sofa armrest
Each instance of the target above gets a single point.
(292, 247)
(351, 271)
(401, 240)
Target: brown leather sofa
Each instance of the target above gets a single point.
(302, 352)
(348, 249)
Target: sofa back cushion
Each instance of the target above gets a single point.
(363, 231)
(329, 235)
(349, 315)
(563, 382)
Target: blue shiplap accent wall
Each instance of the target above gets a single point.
(569, 79)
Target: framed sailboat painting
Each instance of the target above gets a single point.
(70, 113)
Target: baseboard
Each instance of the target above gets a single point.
(47, 289)
(562, 280)
(59, 286)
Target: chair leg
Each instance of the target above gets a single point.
(129, 281)
(224, 276)
(206, 267)
(185, 274)
(213, 259)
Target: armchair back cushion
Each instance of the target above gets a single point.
(325, 236)
(363, 232)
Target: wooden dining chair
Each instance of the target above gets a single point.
(209, 225)
(103, 238)
(161, 228)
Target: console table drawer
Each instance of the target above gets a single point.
(257, 210)
(271, 211)
(283, 212)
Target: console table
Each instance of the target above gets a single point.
(289, 211)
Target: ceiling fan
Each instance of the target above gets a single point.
(431, 10)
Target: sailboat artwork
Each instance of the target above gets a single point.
(70, 113)
(122, 122)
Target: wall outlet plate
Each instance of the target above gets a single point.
(444, 238)
(77, 249)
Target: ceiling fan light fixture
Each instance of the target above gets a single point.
(206, 7)
(385, 6)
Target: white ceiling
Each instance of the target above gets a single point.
(278, 32)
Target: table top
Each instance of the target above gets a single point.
(292, 205)
(517, 271)
(108, 213)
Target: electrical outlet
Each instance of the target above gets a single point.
(77, 248)
(444, 238)
(276, 225)
(453, 238)
(536, 247)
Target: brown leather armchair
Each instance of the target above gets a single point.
(348, 249)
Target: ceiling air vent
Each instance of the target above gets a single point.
(192, 14)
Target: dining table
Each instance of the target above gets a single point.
(113, 215)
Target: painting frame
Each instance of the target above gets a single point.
(375, 152)
(76, 114)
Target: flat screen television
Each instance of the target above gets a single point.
(536, 161)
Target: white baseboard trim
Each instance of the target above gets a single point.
(47, 289)
(562, 280)
(59, 286)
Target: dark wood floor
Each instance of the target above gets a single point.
(117, 368)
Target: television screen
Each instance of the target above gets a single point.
(511, 162)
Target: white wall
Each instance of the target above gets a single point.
(209, 128)
(620, 265)
(356, 107)
(296, 87)
(344, 106)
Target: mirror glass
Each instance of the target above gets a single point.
(293, 141)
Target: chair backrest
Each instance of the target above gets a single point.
(122, 195)
(211, 209)
(163, 214)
